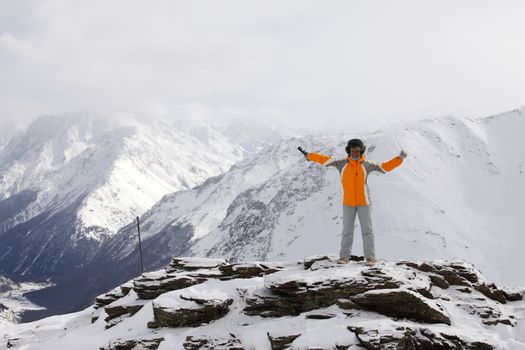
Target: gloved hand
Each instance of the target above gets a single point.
(402, 154)
(303, 152)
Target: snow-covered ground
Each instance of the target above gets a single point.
(243, 307)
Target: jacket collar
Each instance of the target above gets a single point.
(355, 162)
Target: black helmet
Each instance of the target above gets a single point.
(355, 143)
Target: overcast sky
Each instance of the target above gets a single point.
(346, 64)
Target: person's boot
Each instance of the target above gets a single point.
(343, 261)
(370, 261)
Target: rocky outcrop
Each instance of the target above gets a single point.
(113, 295)
(134, 344)
(188, 310)
(207, 343)
(402, 304)
(287, 295)
(461, 274)
(411, 304)
(413, 338)
(150, 287)
(115, 313)
(281, 342)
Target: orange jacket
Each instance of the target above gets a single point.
(354, 174)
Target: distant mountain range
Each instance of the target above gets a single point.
(69, 182)
(459, 195)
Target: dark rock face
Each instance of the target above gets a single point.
(149, 344)
(457, 274)
(113, 295)
(192, 264)
(402, 304)
(207, 343)
(150, 288)
(290, 297)
(489, 315)
(246, 270)
(492, 292)
(203, 311)
(115, 312)
(410, 338)
(282, 342)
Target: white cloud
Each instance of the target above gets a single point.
(340, 63)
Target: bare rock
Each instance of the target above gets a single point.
(402, 304)
(188, 309)
(132, 344)
(150, 288)
(207, 343)
(282, 342)
(405, 338)
(192, 264)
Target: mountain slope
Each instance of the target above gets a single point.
(70, 182)
(459, 195)
(12, 301)
(200, 303)
(9, 131)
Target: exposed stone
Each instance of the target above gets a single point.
(492, 292)
(347, 304)
(282, 342)
(489, 315)
(119, 310)
(193, 264)
(132, 344)
(307, 263)
(402, 304)
(188, 312)
(148, 288)
(405, 338)
(206, 343)
(467, 273)
(294, 297)
(439, 281)
(513, 296)
(453, 278)
(113, 295)
(246, 270)
(449, 273)
(320, 316)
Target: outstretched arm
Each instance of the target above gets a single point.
(391, 164)
(318, 158)
(323, 159)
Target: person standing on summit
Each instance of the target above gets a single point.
(354, 171)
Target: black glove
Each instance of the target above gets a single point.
(303, 151)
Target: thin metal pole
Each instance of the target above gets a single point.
(140, 247)
(397, 142)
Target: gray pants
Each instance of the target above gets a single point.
(347, 237)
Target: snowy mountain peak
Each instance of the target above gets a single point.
(436, 205)
(198, 303)
(69, 182)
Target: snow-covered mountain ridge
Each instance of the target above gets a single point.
(120, 163)
(458, 195)
(306, 304)
(70, 182)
